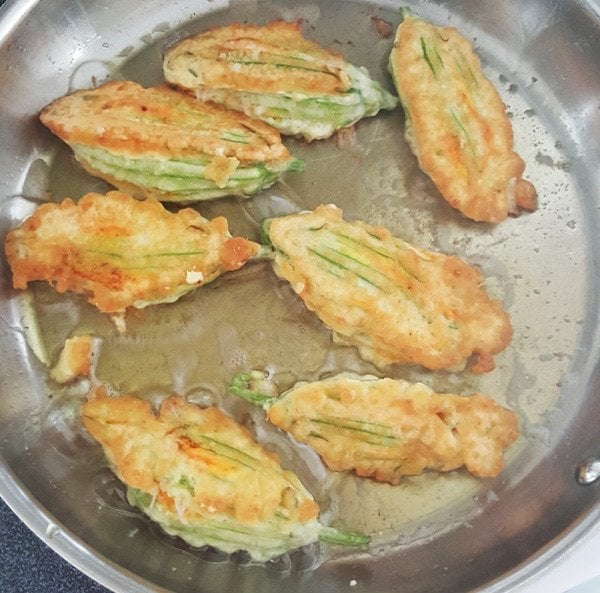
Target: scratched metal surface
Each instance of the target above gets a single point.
(431, 532)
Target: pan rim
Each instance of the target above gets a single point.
(104, 571)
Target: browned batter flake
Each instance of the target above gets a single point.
(75, 360)
(382, 27)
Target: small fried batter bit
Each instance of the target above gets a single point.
(394, 302)
(273, 73)
(123, 252)
(456, 123)
(200, 476)
(75, 360)
(160, 143)
(385, 429)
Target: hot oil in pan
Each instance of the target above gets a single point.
(250, 319)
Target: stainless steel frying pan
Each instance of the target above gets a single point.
(450, 533)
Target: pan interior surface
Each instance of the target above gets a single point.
(450, 533)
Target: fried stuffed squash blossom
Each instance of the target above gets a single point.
(386, 428)
(395, 302)
(456, 123)
(159, 143)
(201, 477)
(273, 73)
(122, 252)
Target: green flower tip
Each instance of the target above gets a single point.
(343, 538)
(246, 385)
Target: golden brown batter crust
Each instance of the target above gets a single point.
(198, 463)
(128, 119)
(457, 124)
(386, 429)
(276, 58)
(122, 252)
(394, 302)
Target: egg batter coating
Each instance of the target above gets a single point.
(122, 252)
(273, 73)
(200, 476)
(456, 123)
(160, 143)
(394, 302)
(385, 428)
